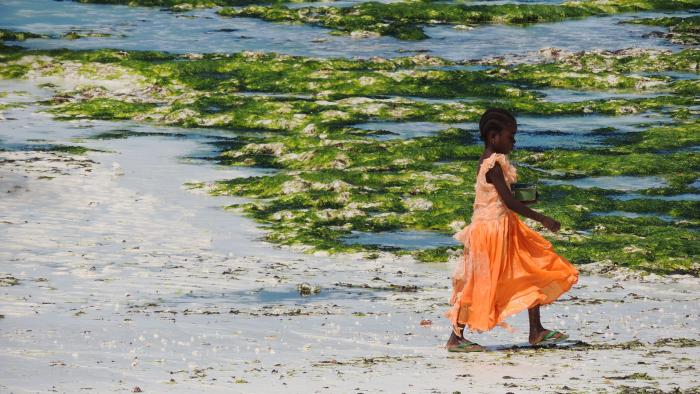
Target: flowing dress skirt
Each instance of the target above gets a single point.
(507, 267)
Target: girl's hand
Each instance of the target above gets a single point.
(551, 224)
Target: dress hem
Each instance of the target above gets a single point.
(571, 280)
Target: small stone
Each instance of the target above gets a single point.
(306, 289)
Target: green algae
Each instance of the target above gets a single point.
(603, 70)
(632, 243)
(338, 78)
(683, 30)
(101, 109)
(74, 35)
(335, 178)
(623, 389)
(402, 20)
(10, 35)
(72, 149)
(608, 162)
(661, 139)
(13, 71)
(124, 133)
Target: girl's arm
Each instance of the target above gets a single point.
(495, 177)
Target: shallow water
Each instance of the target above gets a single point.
(534, 132)
(401, 239)
(626, 214)
(148, 28)
(677, 197)
(350, 3)
(677, 75)
(153, 165)
(621, 182)
(459, 67)
(568, 95)
(279, 296)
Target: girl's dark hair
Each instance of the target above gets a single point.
(495, 119)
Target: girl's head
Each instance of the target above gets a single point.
(497, 127)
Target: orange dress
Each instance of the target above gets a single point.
(507, 267)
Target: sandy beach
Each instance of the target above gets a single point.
(116, 276)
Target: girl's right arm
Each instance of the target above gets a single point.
(495, 176)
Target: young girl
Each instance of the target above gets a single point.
(507, 267)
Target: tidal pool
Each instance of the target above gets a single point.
(156, 164)
(621, 182)
(459, 67)
(149, 28)
(677, 75)
(534, 132)
(568, 95)
(401, 239)
(626, 214)
(277, 296)
(677, 197)
(408, 129)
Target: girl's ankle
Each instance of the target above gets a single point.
(459, 332)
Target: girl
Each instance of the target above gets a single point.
(507, 267)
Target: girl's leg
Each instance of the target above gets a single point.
(454, 338)
(535, 323)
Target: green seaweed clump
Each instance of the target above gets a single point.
(682, 30)
(10, 35)
(74, 35)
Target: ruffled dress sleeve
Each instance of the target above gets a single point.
(491, 161)
(509, 172)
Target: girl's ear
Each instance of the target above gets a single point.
(492, 136)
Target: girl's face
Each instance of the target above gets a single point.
(504, 142)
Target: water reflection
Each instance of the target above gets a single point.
(534, 132)
(621, 182)
(401, 239)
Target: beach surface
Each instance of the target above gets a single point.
(116, 277)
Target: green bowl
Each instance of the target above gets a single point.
(524, 191)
